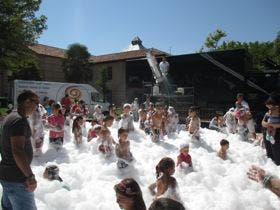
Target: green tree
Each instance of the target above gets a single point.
(102, 83)
(260, 51)
(76, 66)
(276, 48)
(19, 28)
(212, 41)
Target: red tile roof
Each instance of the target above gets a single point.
(48, 50)
(60, 53)
(125, 55)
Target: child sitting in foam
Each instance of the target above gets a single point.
(51, 173)
(122, 149)
(184, 160)
(127, 118)
(223, 150)
(166, 185)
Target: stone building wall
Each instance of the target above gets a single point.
(51, 68)
(117, 84)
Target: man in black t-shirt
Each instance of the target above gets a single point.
(16, 176)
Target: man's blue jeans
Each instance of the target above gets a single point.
(15, 197)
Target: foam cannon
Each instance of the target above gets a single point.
(154, 67)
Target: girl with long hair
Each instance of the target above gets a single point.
(129, 195)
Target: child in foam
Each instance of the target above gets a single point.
(37, 128)
(127, 119)
(222, 153)
(97, 115)
(230, 121)
(245, 119)
(92, 131)
(135, 108)
(184, 160)
(129, 195)
(51, 173)
(107, 141)
(67, 123)
(156, 122)
(56, 127)
(123, 149)
(193, 122)
(113, 111)
(172, 120)
(166, 185)
(77, 129)
(217, 123)
(142, 117)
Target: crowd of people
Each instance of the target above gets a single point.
(23, 138)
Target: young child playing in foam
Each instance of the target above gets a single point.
(51, 173)
(172, 120)
(55, 124)
(222, 153)
(230, 121)
(184, 160)
(193, 122)
(142, 117)
(107, 141)
(127, 119)
(97, 115)
(92, 131)
(77, 129)
(166, 185)
(156, 120)
(37, 129)
(123, 149)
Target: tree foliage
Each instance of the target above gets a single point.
(102, 83)
(261, 52)
(76, 66)
(19, 28)
(213, 39)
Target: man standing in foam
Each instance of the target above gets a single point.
(16, 176)
(164, 67)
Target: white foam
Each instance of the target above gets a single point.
(213, 184)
